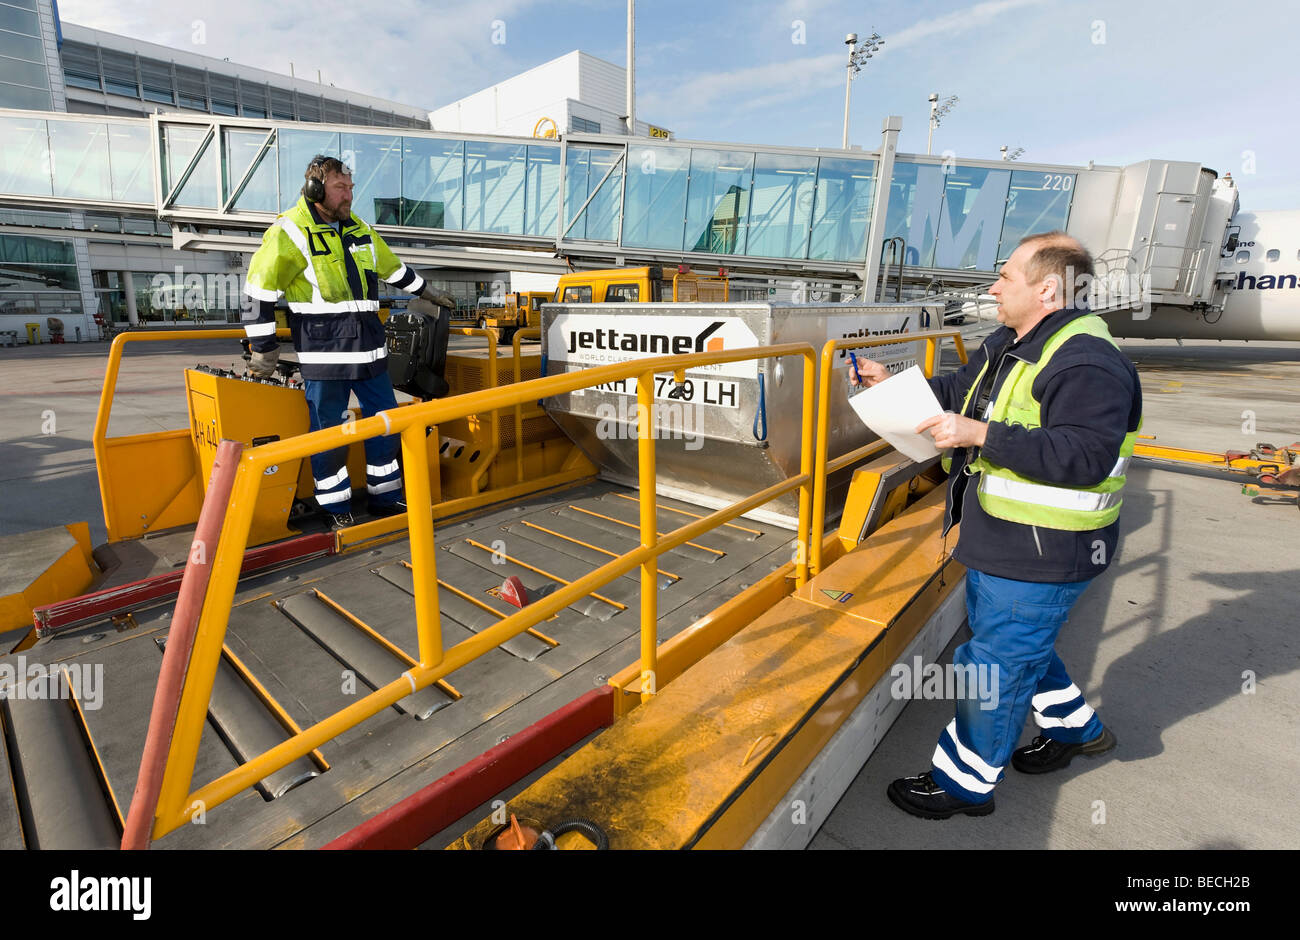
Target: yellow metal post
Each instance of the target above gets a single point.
(807, 489)
(419, 519)
(645, 396)
(814, 546)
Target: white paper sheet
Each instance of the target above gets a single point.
(893, 408)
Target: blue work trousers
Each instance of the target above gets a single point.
(1014, 626)
(327, 403)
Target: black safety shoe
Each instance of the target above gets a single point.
(341, 520)
(384, 510)
(1046, 754)
(921, 796)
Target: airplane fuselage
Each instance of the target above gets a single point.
(1263, 302)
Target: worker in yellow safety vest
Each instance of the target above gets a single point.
(1039, 427)
(326, 263)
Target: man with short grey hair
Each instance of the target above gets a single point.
(1039, 427)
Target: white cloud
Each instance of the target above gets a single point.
(760, 87)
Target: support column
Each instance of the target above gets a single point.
(128, 288)
(880, 206)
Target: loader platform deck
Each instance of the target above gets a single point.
(307, 639)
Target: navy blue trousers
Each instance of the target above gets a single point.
(327, 404)
(1014, 626)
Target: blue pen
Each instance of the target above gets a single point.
(854, 359)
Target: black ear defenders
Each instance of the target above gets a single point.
(313, 188)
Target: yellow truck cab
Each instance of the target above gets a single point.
(652, 284)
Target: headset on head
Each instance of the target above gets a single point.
(313, 188)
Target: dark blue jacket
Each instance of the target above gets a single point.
(1090, 398)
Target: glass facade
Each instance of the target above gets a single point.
(38, 276)
(972, 217)
(24, 82)
(594, 178)
(669, 198)
(108, 161)
(129, 75)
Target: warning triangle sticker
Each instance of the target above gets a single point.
(833, 595)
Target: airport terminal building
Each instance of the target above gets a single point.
(126, 167)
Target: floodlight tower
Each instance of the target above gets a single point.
(938, 110)
(858, 56)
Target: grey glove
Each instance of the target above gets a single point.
(435, 296)
(262, 364)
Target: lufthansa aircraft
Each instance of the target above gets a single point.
(1261, 266)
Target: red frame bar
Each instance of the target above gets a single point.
(52, 618)
(406, 824)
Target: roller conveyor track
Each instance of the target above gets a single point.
(308, 640)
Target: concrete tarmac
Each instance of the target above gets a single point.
(1186, 646)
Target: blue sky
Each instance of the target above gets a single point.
(1068, 80)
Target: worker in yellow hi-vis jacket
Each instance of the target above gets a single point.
(327, 263)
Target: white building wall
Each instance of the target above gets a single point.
(574, 85)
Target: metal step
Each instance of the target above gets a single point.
(249, 728)
(538, 585)
(620, 538)
(458, 610)
(373, 663)
(590, 556)
(11, 823)
(59, 784)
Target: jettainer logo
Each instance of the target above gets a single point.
(591, 340)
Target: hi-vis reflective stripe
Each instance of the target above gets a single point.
(1076, 719)
(943, 762)
(381, 471)
(1057, 497)
(326, 499)
(970, 758)
(259, 329)
(1045, 700)
(330, 482)
(338, 306)
(261, 293)
(299, 240)
(397, 275)
(384, 487)
(365, 355)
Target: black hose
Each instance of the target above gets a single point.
(585, 827)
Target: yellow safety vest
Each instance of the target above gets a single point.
(1008, 495)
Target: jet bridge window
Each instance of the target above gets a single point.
(1273, 255)
(1243, 256)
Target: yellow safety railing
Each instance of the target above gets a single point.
(826, 466)
(177, 804)
(99, 438)
(369, 533)
(532, 332)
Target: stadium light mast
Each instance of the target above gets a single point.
(938, 110)
(858, 56)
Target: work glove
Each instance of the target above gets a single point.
(262, 364)
(440, 298)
